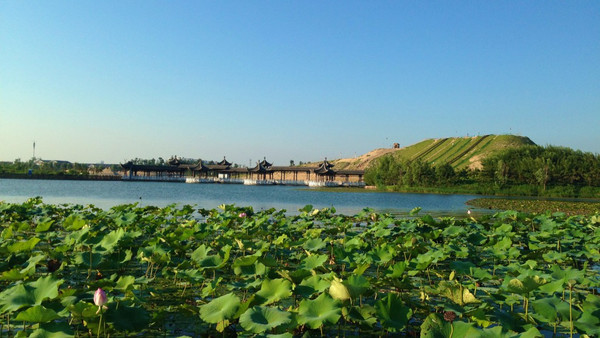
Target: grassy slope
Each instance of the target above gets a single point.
(442, 150)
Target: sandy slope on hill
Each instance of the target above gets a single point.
(362, 162)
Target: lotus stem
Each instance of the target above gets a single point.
(571, 309)
(100, 322)
(526, 304)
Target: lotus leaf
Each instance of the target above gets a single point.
(23, 246)
(457, 293)
(125, 283)
(313, 261)
(220, 309)
(127, 317)
(550, 310)
(311, 285)
(109, 241)
(53, 330)
(272, 291)
(260, 319)
(392, 312)
(357, 285)
(589, 322)
(338, 290)
(434, 326)
(28, 294)
(73, 222)
(44, 225)
(362, 315)
(37, 314)
(321, 310)
(314, 244)
(396, 270)
(526, 285)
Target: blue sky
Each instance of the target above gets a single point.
(94, 81)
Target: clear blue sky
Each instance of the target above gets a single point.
(94, 81)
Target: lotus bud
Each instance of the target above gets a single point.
(99, 297)
(242, 215)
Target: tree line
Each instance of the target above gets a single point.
(542, 166)
(537, 167)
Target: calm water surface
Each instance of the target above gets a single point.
(105, 194)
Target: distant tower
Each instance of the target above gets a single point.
(34, 150)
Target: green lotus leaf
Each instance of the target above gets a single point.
(435, 326)
(313, 261)
(463, 268)
(125, 219)
(261, 318)
(493, 332)
(201, 257)
(396, 270)
(28, 294)
(526, 285)
(89, 260)
(353, 243)
(78, 237)
(110, 241)
(44, 224)
(192, 275)
(549, 308)
(454, 231)
(532, 332)
(200, 253)
(357, 285)
(589, 322)
(73, 222)
(22, 246)
(126, 317)
(321, 310)
(31, 264)
(245, 261)
(272, 291)
(457, 293)
(568, 275)
(257, 268)
(415, 211)
(37, 314)
(382, 254)
(298, 275)
(125, 283)
(362, 315)
(211, 287)
(13, 275)
(314, 244)
(338, 290)
(392, 312)
(503, 245)
(311, 285)
(220, 309)
(53, 330)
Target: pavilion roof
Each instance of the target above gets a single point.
(224, 162)
(143, 167)
(260, 168)
(266, 164)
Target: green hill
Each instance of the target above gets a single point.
(460, 152)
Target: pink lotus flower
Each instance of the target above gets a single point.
(100, 299)
(242, 215)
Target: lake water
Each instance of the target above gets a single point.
(105, 194)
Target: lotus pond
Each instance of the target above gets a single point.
(181, 271)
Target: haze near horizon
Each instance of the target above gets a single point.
(110, 81)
